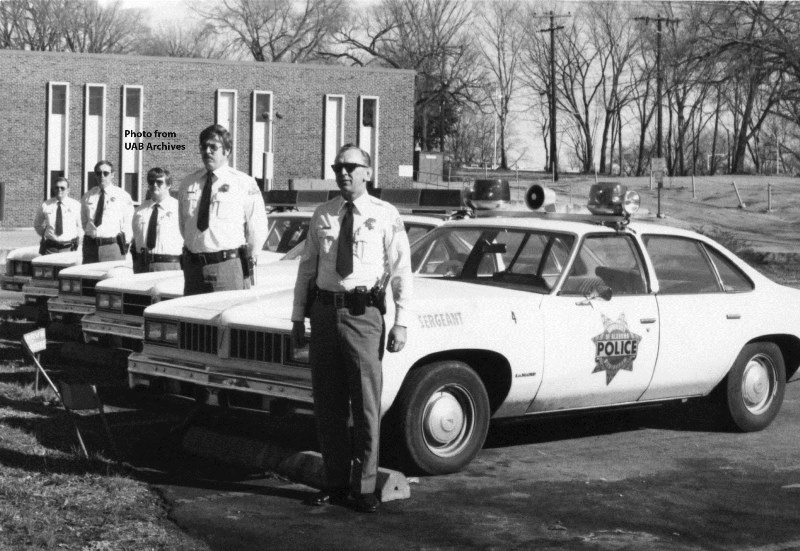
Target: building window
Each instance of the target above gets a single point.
(94, 128)
(132, 143)
(57, 133)
(261, 161)
(333, 133)
(368, 131)
(226, 116)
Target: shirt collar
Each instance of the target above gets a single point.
(360, 203)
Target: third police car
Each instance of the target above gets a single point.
(520, 316)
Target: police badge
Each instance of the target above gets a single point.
(615, 348)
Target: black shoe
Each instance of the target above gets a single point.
(365, 503)
(327, 497)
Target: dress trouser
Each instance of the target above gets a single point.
(201, 278)
(345, 355)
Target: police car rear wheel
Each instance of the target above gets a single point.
(443, 414)
(755, 387)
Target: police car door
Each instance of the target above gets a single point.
(599, 351)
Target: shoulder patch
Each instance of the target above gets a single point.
(398, 225)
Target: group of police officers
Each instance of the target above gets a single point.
(356, 249)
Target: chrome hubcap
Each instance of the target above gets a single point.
(448, 420)
(758, 384)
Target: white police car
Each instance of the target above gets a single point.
(18, 268)
(120, 302)
(520, 316)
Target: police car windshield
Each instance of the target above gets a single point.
(285, 233)
(530, 259)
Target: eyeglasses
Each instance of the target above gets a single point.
(349, 167)
(213, 147)
(156, 184)
(102, 172)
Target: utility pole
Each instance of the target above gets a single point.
(659, 78)
(553, 149)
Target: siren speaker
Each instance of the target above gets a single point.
(540, 197)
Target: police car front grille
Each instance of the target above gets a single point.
(87, 287)
(197, 337)
(259, 346)
(134, 304)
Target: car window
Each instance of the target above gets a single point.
(733, 279)
(415, 231)
(681, 265)
(285, 234)
(606, 261)
(494, 256)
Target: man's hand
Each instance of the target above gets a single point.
(299, 334)
(397, 339)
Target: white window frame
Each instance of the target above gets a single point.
(88, 161)
(65, 138)
(371, 148)
(329, 153)
(234, 116)
(137, 163)
(260, 157)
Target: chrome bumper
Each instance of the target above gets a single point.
(13, 283)
(142, 369)
(94, 324)
(58, 305)
(34, 292)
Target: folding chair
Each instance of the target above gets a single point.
(72, 395)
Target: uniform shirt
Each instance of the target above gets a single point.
(168, 231)
(380, 247)
(117, 213)
(237, 214)
(45, 220)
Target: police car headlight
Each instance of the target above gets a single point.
(47, 272)
(115, 302)
(169, 333)
(38, 271)
(102, 301)
(19, 268)
(70, 286)
(153, 330)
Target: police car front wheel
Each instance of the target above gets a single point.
(443, 413)
(755, 386)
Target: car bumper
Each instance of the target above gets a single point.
(34, 292)
(144, 369)
(13, 283)
(58, 305)
(96, 325)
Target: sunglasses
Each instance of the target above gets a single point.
(102, 172)
(349, 167)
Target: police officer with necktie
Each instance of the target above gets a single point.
(157, 242)
(58, 220)
(106, 215)
(355, 242)
(223, 219)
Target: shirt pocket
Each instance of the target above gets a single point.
(369, 247)
(326, 238)
(227, 208)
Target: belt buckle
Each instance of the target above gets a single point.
(339, 300)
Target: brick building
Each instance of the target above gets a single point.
(65, 111)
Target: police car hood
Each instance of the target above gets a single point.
(139, 283)
(24, 253)
(99, 270)
(168, 288)
(69, 258)
(205, 307)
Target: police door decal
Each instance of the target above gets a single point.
(615, 348)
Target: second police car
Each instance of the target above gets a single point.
(519, 316)
(19, 268)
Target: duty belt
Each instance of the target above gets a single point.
(102, 240)
(150, 258)
(58, 245)
(212, 258)
(341, 300)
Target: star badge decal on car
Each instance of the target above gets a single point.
(615, 348)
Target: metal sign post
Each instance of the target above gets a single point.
(658, 169)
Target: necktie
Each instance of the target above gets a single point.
(59, 220)
(205, 205)
(344, 252)
(98, 214)
(150, 241)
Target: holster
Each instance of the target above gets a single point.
(42, 246)
(123, 247)
(247, 267)
(379, 299)
(75, 243)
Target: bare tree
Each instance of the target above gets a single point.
(32, 24)
(434, 38)
(276, 30)
(178, 40)
(502, 38)
(89, 27)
